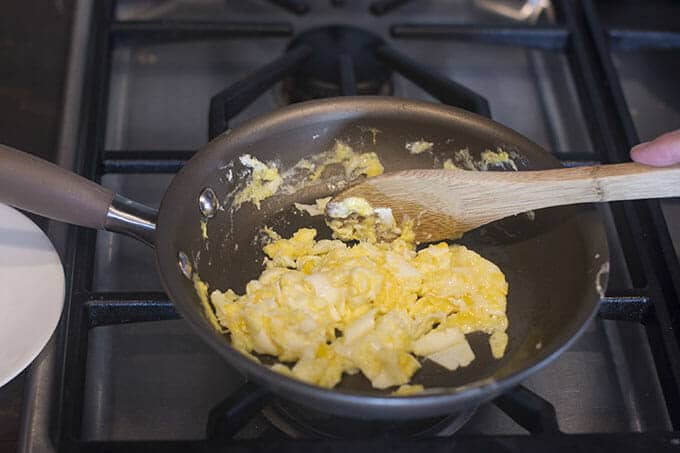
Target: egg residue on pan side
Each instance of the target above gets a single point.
(419, 146)
(266, 180)
(497, 158)
(487, 159)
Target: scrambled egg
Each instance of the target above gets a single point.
(348, 206)
(449, 165)
(265, 181)
(408, 389)
(204, 228)
(355, 219)
(463, 159)
(354, 164)
(324, 308)
(318, 208)
(419, 147)
(499, 158)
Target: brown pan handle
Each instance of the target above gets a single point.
(40, 187)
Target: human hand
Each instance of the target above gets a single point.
(663, 150)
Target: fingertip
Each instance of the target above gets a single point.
(663, 150)
(638, 154)
(653, 155)
(639, 146)
(639, 157)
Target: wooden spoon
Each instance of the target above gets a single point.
(444, 204)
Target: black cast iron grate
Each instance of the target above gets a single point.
(647, 246)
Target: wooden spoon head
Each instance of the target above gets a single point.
(437, 212)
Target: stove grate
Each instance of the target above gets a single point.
(646, 244)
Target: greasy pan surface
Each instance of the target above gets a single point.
(552, 263)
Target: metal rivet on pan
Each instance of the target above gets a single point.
(207, 203)
(184, 264)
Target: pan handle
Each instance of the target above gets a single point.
(40, 187)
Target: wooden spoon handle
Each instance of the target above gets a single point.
(450, 202)
(509, 193)
(501, 194)
(629, 181)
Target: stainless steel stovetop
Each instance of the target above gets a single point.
(157, 380)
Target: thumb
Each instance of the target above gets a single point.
(663, 150)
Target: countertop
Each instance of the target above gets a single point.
(34, 36)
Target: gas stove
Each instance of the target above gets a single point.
(151, 81)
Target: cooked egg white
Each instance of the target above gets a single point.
(324, 308)
(419, 146)
(318, 208)
(355, 219)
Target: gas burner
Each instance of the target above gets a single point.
(332, 61)
(342, 62)
(301, 422)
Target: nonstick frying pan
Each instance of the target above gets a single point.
(556, 262)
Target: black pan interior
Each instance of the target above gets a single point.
(551, 262)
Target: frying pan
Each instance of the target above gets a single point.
(555, 262)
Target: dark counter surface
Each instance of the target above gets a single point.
(34, 36)
(33, 47)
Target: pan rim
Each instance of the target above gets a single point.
(344, 402)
